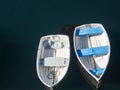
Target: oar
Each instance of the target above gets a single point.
(48, 88)
(54, 71)
(51, 88)
(93, 56)
(97, 88)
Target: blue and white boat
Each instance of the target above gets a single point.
(53, 59)
(92, 48)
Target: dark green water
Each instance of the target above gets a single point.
(24, 22)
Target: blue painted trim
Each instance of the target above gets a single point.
(89, 31)
(41, 62)
(103, 50)
(97, 71)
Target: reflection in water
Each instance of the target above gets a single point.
(68, 30)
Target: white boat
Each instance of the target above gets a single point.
(92, 48)
(53, 59)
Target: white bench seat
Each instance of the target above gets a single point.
(54, 61)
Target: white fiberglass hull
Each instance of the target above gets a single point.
(92, 48)
(53, 59)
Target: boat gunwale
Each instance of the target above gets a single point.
(74, 40)
(37, 59)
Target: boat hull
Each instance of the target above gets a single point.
(92, 48)
(53, 59)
